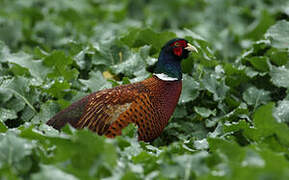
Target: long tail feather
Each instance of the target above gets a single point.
(71, 114)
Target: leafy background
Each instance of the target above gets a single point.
(233, 115)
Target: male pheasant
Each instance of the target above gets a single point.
(148, 104)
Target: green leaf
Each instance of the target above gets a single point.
(99, 154)
(187, 163)
(10, 31)
(129, 66)
(16, 104)
(265, 125)
(35, 67)
(279, 76)
(110, 53)
(4, 95)
(190, 89)
(3, 127)
(236, 126)
(19, 86)
(27, 114)
(241, 111)
(255, 97)
(201, 144)
(47, 110)
(278, 57)
(81, 56)
(47, 172)
(180, 111)
(96, 82)
(141, 37)
(13, 150)
(278, 34)
(232, 150)
(60, 63)
(145, 54)
(281, 112)
(235, 75)
(6, 114)
(260, 63)
(57, 88)
(215, 86)
(204, 112)
(130, 130)
(259, 27)
(130, 175)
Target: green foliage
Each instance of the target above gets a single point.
(278, 35)
(232, 118)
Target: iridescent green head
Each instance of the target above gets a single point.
(171, 55)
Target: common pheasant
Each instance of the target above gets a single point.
(149, 104)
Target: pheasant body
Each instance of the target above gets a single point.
(148, 104)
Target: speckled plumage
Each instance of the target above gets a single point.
(148, 104)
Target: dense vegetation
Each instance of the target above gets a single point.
(233, 115)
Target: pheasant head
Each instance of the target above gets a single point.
(169, 61)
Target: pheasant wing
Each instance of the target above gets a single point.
(98, 110)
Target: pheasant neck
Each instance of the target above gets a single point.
(168, 67)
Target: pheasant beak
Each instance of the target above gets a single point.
(191, 48)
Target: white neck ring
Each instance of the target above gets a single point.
(165, 77)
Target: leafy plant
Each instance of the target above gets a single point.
(232, 118)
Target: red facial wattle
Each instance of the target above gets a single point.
(178, 51)
(178, 47)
